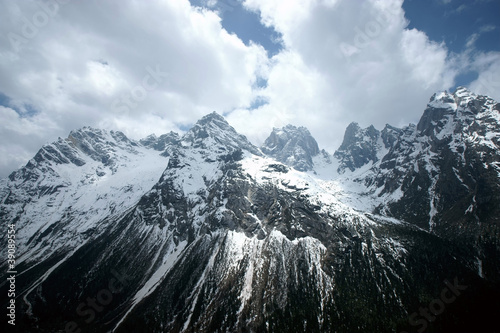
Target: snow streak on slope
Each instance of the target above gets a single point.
(273, 258)
(150, 286)
(38, 282)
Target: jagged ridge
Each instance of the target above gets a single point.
(236, 238)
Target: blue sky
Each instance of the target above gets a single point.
(244, 23)
(455, 22)
(156, 66)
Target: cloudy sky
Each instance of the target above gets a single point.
(147, 67)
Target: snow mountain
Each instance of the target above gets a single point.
(293, 146)
(206, 232)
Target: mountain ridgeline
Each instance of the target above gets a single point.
(397, 231)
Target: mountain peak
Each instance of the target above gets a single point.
(292, 145)
(359, 146)
(86, 131)
(160, 143)
(390, 135)
(213, 117)
(354, 133)
(214, 129)
(446, 100)
(210, 123)
(442, 97)
(441, 105)
(463, 92)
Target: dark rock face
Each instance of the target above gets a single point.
(360, 146)
(293, 146)
(390, 135)
(435, 173)
(448, 154)
(162, 142)
(95, 144)
(202, 233)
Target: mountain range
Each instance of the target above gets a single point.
(397, 231)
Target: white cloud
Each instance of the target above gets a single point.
(488, 81)
(386, 76)
(154, 66)
(487, 28)
(78, 66)
(21, 137)
(471, 40)
(426, 60)
(461, 8)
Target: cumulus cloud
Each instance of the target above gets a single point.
(140, 67)
(21, 137)
(153, 66)
(488, 81)
(345, 62)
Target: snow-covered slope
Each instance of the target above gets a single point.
(71, 185)
(416, 172)
(208, 233)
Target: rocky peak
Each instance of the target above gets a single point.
(390, 135)
(440, 108)
(461, 92)
(359, 147)
(293, 146)
(101, 148)
(161, 142)
(449, 112)
(213, 117)
(470, 103)
(100, 145)
(442, 97)
(210, 125)
(355, 134)
(213, 131)
(92, 139)
(463, 96)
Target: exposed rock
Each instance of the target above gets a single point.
(293, 146)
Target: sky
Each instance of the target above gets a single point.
(144, 67)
